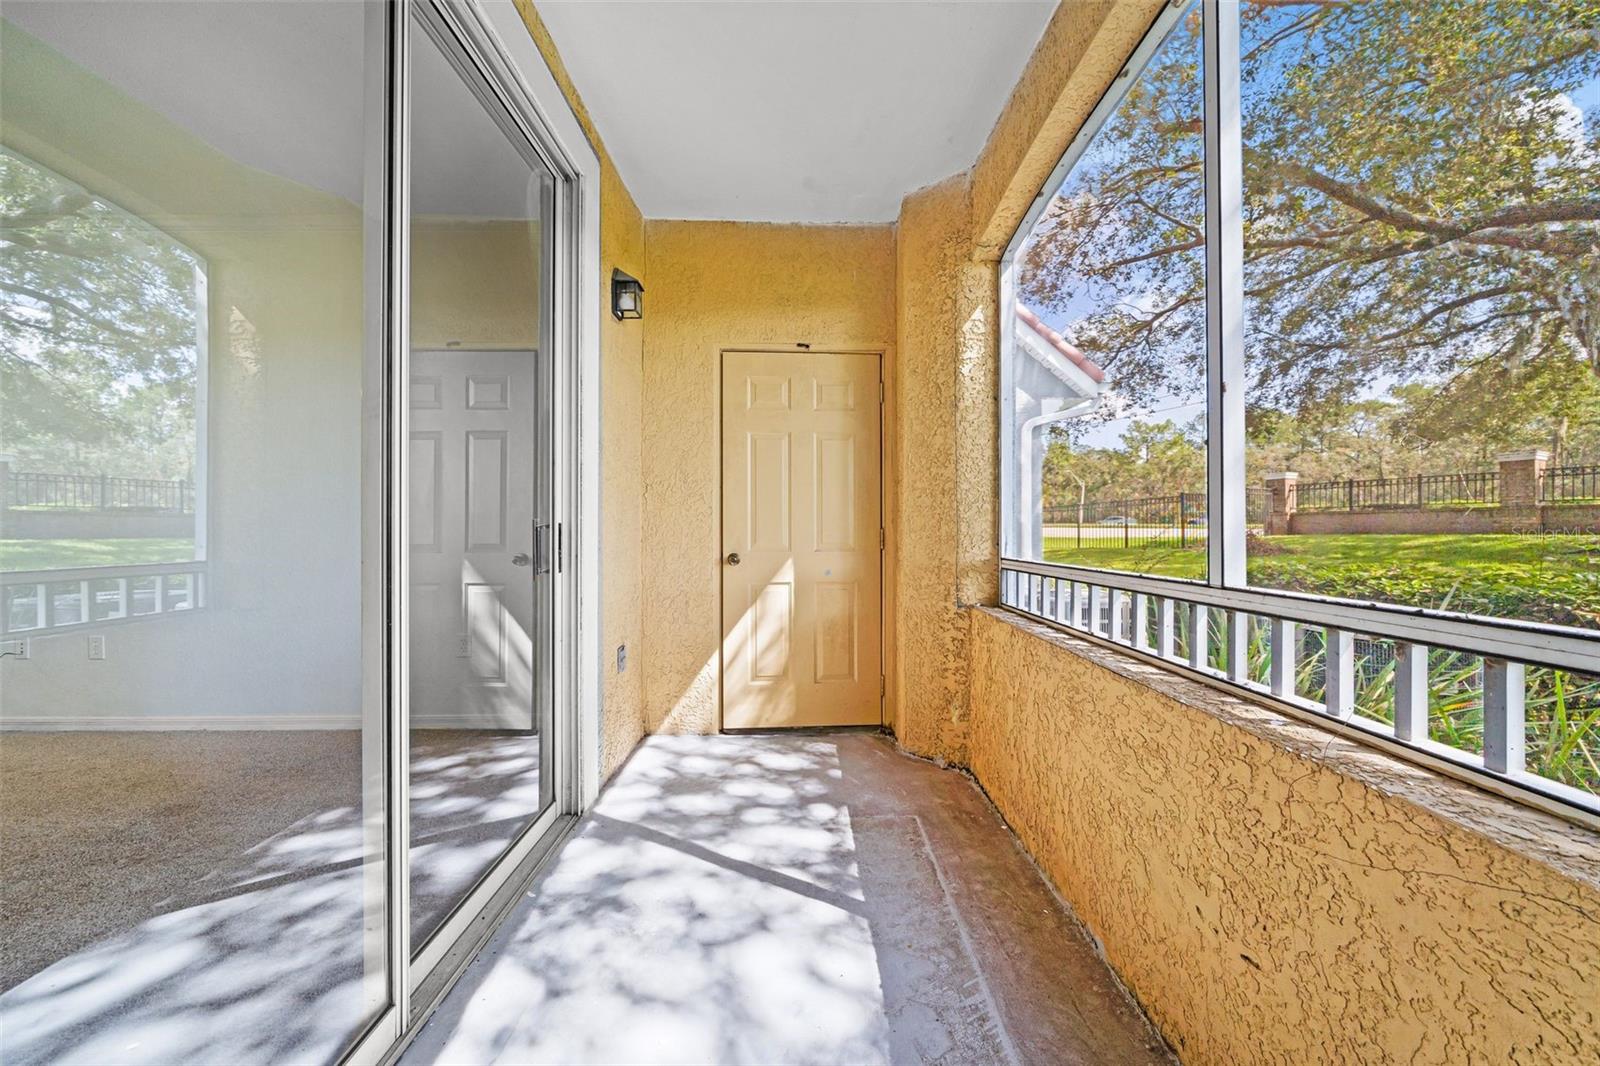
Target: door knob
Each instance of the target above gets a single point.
(733, 558)
(520, 559)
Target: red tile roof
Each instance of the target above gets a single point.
(1062, 345)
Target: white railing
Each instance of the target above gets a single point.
(42, 601)
(1442, 689)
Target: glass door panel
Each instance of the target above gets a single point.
(479, 482)
(194, 757)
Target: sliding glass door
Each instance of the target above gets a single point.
(195, 753)
(479, 509)
(286, 349)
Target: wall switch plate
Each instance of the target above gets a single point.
(622, 657)
(17, 649)
(97, 647)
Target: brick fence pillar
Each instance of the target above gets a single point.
(1520, 476)
(1281, 492)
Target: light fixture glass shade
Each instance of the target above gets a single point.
(627, 296)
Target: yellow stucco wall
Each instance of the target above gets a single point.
(712, 286)
(932, 252)
(621, 383)
(474, 283)
(949, 239)
(1275, 894)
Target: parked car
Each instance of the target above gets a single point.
(1116, 520)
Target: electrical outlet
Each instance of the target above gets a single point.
(462, 648)
(622, 657)
(97, 648)
(17, 649)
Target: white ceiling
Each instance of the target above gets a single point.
(278, 86)
(792, 110)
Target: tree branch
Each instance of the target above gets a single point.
(70, 308)
(1578, 209)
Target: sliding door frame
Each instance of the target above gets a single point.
(504, 67)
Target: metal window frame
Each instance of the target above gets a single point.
(470, 32)
(1506, 642)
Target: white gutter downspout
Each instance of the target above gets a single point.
(1029, 493)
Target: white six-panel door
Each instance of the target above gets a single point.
(473, 417)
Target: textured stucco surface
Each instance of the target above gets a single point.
(1079, 54)
(934, 403)
(1275, 894)
(470, 282)
(709, 287)
(622, 402)
(949, 237)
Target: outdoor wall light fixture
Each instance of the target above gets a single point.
(627, 296)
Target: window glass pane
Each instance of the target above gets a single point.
(146, 593)
(1422, 247)
(99, 436)
(193, 819)
(479, 476)
(1104, 365)
(66, 603)
(24, 607)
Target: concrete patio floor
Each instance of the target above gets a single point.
(788, 899)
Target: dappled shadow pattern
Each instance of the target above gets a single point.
(203, 892)
(762, 899)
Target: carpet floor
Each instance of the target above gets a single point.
(211, 852)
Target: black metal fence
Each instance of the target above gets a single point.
(98, 492)
(1571, 484)
(1400, 493)
(1178, 521)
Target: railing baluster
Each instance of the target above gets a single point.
(1238, 645)
(1504, 731)
(1119, 608)
(1281, 656)
(1141, 621)
(1410, 691)
(1339, 672)
(1166, 627)
(1199, 636)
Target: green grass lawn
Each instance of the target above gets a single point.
(65, 554)
(1549, 579)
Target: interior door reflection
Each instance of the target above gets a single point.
(480, 744)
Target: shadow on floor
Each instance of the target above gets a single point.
(201, 897)
(788, 899)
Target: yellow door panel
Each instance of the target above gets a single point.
(802, 566)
